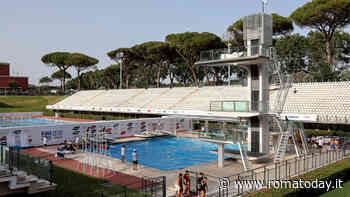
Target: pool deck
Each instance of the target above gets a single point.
(114, 170)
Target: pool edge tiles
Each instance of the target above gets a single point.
(169, 154)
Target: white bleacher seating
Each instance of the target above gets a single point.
(324, 98)
(182, 98)
(329, 100)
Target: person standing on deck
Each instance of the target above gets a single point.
(199, 182)
(204, 187)
(179, 186)
(320, 144)
(187, 183)
(134, 159)
(45, 140)
(122, 153)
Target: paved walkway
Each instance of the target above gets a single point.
(107, 174)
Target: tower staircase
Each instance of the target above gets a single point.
(282, 147)
(287, 128)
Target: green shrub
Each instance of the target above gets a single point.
(317, 132)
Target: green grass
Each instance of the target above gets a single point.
(72, 183)
(340, 192)
(27, 103)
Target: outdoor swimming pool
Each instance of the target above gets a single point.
(169, 153)
(30, 122)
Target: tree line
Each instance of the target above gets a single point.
(322, 54)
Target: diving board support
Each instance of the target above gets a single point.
(244, 157)
(295, 145)
(221, 155)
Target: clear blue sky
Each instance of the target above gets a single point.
(31, 29)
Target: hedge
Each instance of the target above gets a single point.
(317, 132)
(338, 170)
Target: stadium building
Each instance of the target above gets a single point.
(5, 79)
(251, 112)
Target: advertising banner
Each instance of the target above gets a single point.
(300, 117)
(28, 136)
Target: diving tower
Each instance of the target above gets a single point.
(252, 110)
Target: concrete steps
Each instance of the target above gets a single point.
(21, 180)
(41, 186)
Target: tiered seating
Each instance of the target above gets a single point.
(328, 98)
(146, 96)
(111, 98)
(200, 99)
(161, 98)
(122, 96)
(234, 94)
(167, 100)
(81, 98)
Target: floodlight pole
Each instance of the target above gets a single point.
(121, 75)
(263, 5)
(119, 58)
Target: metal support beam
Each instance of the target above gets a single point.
(221, 155)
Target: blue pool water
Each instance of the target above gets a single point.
(31, 122)
(169, 153)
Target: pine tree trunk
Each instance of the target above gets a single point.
(158, 77)
(194, 76)
(126, 80)
(64, 81)
(329, 51)
(171, 81)
(78, 71)
(207, 76)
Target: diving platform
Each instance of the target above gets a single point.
(216, 141)
(235, 154)
(227, 59)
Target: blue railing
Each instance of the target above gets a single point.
(239, 106)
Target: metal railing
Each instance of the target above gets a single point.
(143, 187)
(339, 119)
(220, 54)
(241, 183)
(14, 160)
(230, 135)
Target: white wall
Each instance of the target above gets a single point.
(32, 135)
